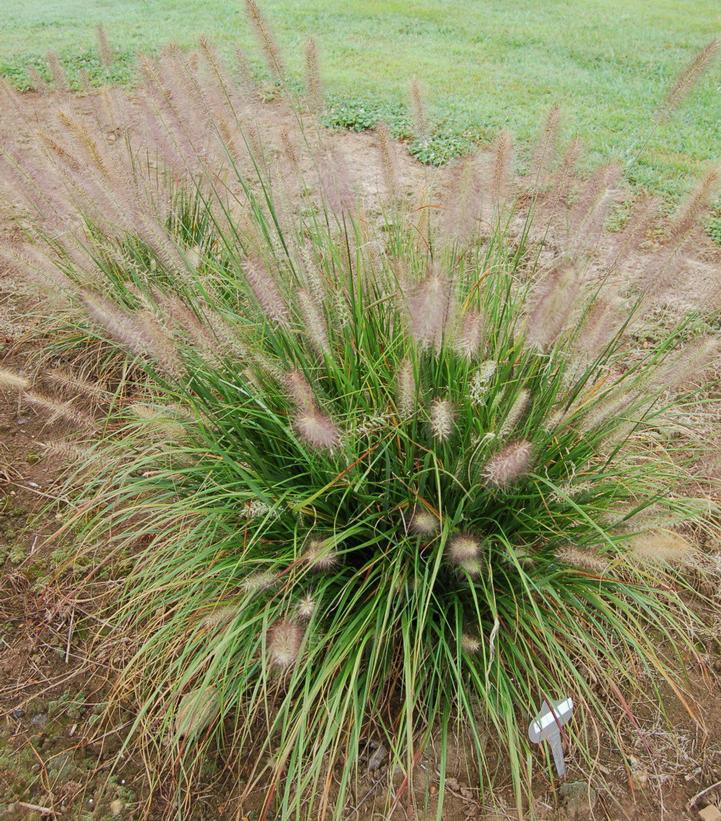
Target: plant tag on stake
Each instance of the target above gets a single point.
(546, 726)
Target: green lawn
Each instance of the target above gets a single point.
(485, 64)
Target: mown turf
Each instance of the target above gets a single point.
(485, 65)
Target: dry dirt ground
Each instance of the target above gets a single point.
(55, 762)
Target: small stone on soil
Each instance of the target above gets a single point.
(710, 813)
(639, 774)
(376, 761)
(579, 798)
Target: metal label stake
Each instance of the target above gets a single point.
(546, 726)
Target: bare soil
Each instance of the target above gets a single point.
(55, 762)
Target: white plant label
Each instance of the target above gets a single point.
(546, 726)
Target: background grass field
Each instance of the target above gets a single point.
(484, 64)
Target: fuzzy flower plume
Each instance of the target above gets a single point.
(518, 408)
(299, 390)
(13, 381)
(563, 176)
(554, 300)
(689, 364)
(464, 551)
(480, 380)
(256, 582)
(428, 308)
(509, 465)
(306, 607)
(141, 334)
(469, 337)
(266, 293)
(313, 426)
(406, 388)
(314, 323)
(660, 546)
(688, 78)
(613, 408)
(583, 559)
(120, 326)
(389, 159)
(418, 107)
(55, 410)
(546, 149)
(442, 419)
(220, 617)
(502, 167)
(313, 86)
(312, 275)
(636, 230)
(423, 522)
(284, 641)
(267, 42)
(196, 711)
(320, 555)
(602, 322)
(470, 644)
(255, 509)
(317, 430)
(72, 384)
(694, 206)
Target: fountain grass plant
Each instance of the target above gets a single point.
(380, 481)
(377, 488)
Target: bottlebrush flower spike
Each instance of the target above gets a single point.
(509, 465)
(284, 641)
(661, 545)
(13, 381)
(502, 168)
(313, 85)
(263, 580)
(221, 616)
(583, 559)
(464, 551)
(518, 408)
(554, 300)
(442, 414)
(299, 390)
(314, 322)
(423, 522)
(306, 607)
(406, 388)
(469, 338)
(320, 555)
(197, 709)
(317, 429)
(428, 309)
(266, 292)
(478, 386)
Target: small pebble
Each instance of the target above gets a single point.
(710, 813)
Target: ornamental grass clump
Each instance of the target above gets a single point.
(371, 481)
(362, 527)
